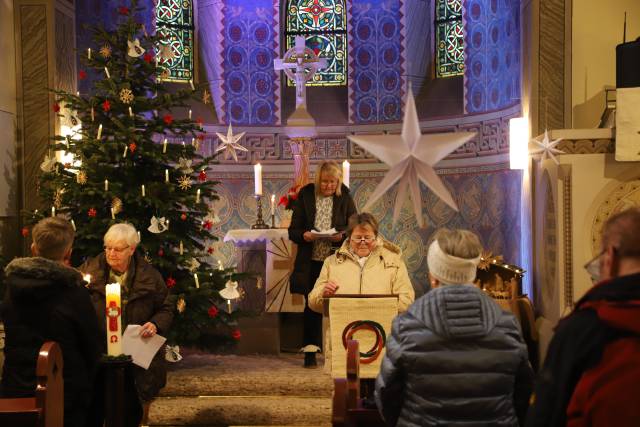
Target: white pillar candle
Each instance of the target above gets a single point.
(89, 53)
(195, 277)
(73, 224)
(257, 171)
(124, 153)
(114, 321)
(106, 71)
(346, 170)
(100, 131)
(53, 211)
(198, 196)
(181, 248)
(164, 146)
(166, 175)
(106, 185)
(273, 204)
(143, 193)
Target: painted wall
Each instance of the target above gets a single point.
(597, 29)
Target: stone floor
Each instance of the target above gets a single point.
(229, 390)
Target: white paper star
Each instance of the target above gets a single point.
(546, 147)
(411, 158)
(230, 144)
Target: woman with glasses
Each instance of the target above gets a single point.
(366, 263)
(323, 205)
(145, 300)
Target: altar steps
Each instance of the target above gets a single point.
(229, 390)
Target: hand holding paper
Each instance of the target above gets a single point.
(141, 349)
(324, 233)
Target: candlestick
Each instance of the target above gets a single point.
(89, 53)
(114, 322)
(164, 146)
(106, 71)
(346, 170)
(99, 131)
(143, 193)
(181, 248)
(257, 171)
(195, 277)
(260, 224)
(198, 196)
(166, 175)
(73, 224)
(53, 211)
(106, 185)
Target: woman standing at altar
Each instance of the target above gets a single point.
(322, 205)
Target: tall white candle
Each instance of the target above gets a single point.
(257, 171)
(143, 193)
(106, 71)
(195, 277)
(346, 170)
(100, 131)
(106, 185)
(114, 321)
(198, 196)
(164, 146)
(166, 175)
(273, 204)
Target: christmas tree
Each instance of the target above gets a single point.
(128, 159)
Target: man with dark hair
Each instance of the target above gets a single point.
(591, 375)
(46, 300)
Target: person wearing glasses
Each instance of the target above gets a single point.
(323, 205)
(591, 374)
(145, 300)
(366, 263)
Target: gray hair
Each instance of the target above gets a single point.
(459, 243)
(122, 232)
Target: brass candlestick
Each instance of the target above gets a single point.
(260, 224)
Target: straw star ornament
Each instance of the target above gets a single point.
(230, 144)
(411, 158)
(546, 148)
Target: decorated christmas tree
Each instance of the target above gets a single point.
(129, 159)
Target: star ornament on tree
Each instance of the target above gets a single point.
(230, 144)
(411, 159)
(545, 147)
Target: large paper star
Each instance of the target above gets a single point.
(411, 159)
(546, 147)
(230, 144)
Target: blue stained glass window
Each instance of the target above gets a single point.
(174, 25)
(449, 38)
(323, 23)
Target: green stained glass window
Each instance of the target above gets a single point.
(449, 38)
(174, 25)
(323, 24)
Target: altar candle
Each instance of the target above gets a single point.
(124, 153)
(257, 171)
(189, 114)
(181, 248)
(113, 214)
(164, 146)
(99, 131)
(346, 169)
(106, 185)
(273, 204)
(195, 277)
(89, 53)
(143, 193)
(198, 196)
(106, 71)
(114, 322)
(166, 175)
(53, 211)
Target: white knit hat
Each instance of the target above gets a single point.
(449, 269)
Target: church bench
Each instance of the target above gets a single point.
(348, 409)
(45, 409)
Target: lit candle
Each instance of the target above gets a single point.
(130, 112)
(106, 185)
(167, 224)
(139, 239)
(100, 131)
(166, 175)
(78, 93)
(106, 71)
(257, 171)
(114, 322)
(346, 169)
(195, 277)
(89, 53)
(126, 148)
(113, 214)
(183, 144)
(164, 146)
(87, 278)
(191, 83)
(198, 196)
(93, 115)
(143, 193)
(229, 305)
(273, 204)
(73, 224)
(220, 267)
(189, 114)
(181, 248)
(53, 211)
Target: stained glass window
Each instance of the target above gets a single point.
(323, 23)
(449, 38)
(174, 25)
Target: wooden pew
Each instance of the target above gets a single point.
(45, 409)
(347, 408)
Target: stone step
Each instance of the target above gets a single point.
(252, 411)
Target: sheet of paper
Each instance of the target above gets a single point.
(141, 349)
(325, 233)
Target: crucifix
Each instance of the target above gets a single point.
(305, 63)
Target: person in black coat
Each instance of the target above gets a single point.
(46, 300)
(320, 206)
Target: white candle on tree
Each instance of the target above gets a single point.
(106, 185)
(164, 146)
(195, 277)
(181, 248)
(166, 175)
(273, 204)
(198, 196)
(257, 171)
(106, 71)
(114, 321)
(143, 192)
(100, 131)
(89, 53)
(53, 211)
(346, 170)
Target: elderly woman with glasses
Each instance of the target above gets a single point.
(145, 300)
(366, 263)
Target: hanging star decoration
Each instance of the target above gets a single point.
(206, 97)
(193, 265)
(126, 96)
(81, 178)
(545, 147)
(184, 182)
(105, 51)
(229, 144)
(411, 159)
(181, 305)
(135, 50)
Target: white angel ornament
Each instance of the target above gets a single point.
(135, 50)
(158, 225)
(230, 290)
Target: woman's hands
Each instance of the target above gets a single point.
(148, 330)
(330, 289)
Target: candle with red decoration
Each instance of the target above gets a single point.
(114, 320)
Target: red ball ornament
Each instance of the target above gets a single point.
(160, 252)
(82, 74)
(183, 216)
(213, 311)
(106, 105)
(148, 58)
(92, 212)
(168, 119)
(132, 147)
(56, 108)
(236, 334)
(25, 231)
(171, 282)
(202, 176)
(207, 225)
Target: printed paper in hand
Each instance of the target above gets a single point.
(141, 349)
(325, 233)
